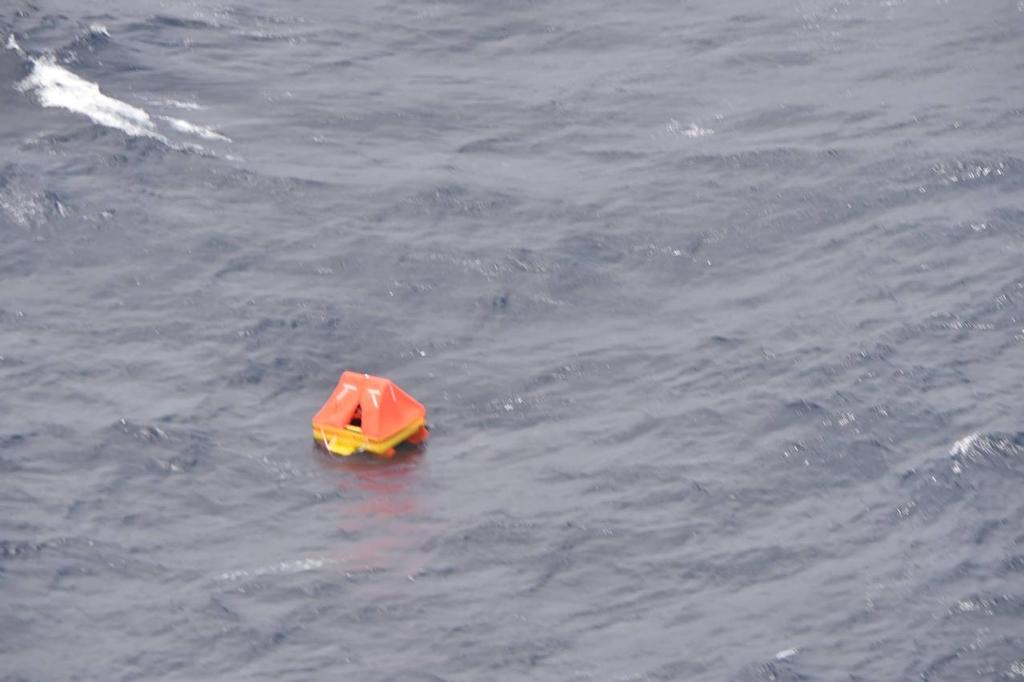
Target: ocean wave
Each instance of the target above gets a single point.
(177, 104)
(283, 568)
(977, 466)
(675, 128)
(25, 203)
(988, 450)
(54, 86)
(193, 129)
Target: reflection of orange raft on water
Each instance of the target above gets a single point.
(368, 413)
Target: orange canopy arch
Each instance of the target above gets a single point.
(367, 412)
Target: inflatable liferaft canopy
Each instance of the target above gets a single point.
(368, 413)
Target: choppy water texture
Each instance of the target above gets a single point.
(717, 309)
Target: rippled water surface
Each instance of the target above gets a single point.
(717, 308)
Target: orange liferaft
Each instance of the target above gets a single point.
(371, 414)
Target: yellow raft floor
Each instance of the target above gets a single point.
(350, 439)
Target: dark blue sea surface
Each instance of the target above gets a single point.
(717, 308)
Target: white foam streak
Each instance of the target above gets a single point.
(179, 104)
(193, 129)
(12, 44)
(283, 568)
(674, 127)
(55, 86)
(964, 445)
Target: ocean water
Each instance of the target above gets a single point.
(717, 308)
